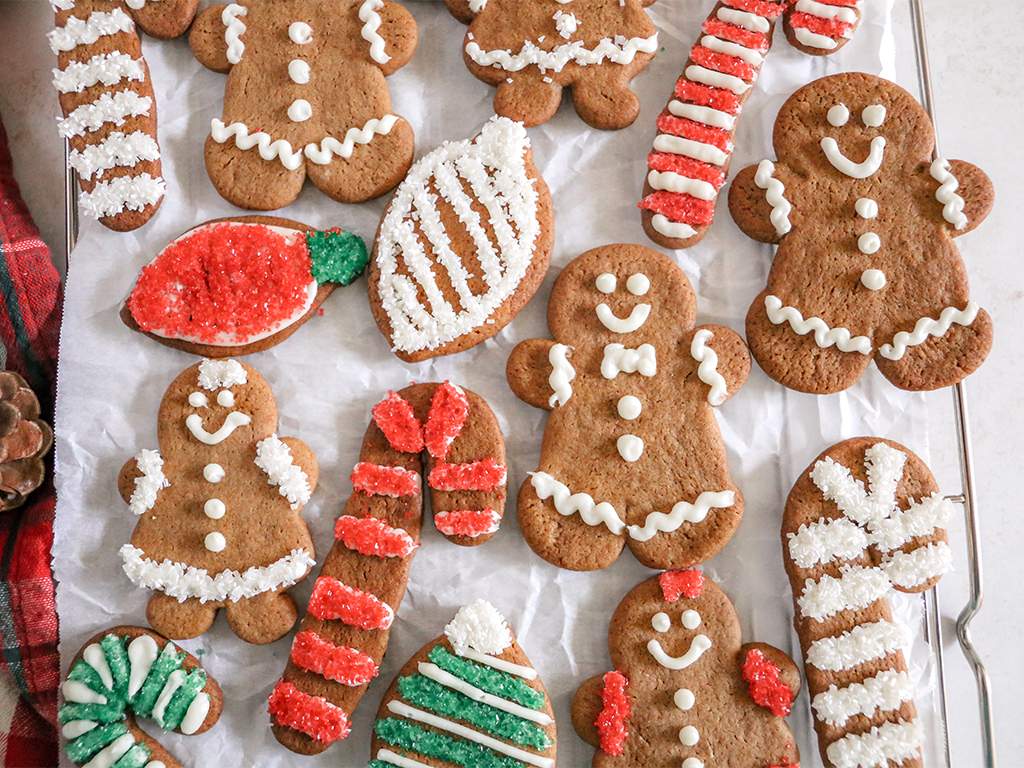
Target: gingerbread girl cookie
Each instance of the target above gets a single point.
(306, 96)
(219, 508)
(866, 266)
(632, 454)
(532, 49)
(684, 691)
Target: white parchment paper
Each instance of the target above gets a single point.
(333, 370)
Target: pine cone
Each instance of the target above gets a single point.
(24, 440)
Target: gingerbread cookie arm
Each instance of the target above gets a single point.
(536, 373)
(398, 30)
(964, 193)
(723, 361)
(758, 203)
(208, 39)
(304, 458)
(586, 707)
(165, 19)
(461, 10)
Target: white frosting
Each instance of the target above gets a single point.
(330, 147)
(213, 473)
(275, 458)
(869, 243)
(862, 170)
(729, 48)
(699, 74)
(226, 398)
(912, 569)
(493, 165)
(198, 400)
(838, 115)
(232, 421)
(567, 503)
(698, 645)
(132, 193)
(684, 699)
(863, 643)
(215, 541)
(692, 762)
(707, 115)
(698, 150)
(866, 208)
(619, 359)
(890, 741)
(775, 194)
(679, 184)
(449, 680)
(691, 619)
(479, 626)
(873, 279)
(707, 370)
(885, 691)
(75, 728)
(215, 374)
(689, 735)
(661, 622)
(630, 447)
(106, 68)
(825, 11)
(115, 149)
(884, 466)
(234, 27)
(142, 652)
(873, 116)
(682, 512)
(566, 23)
(80, 693)
(826, 541)
(386, 755)
(606, 283)
(298, 71)
(617, 51)
(824, 336)
(95, 658)
(629, 407)
(108, 108)
(561, 374)
(300, 33)
(110, 754)
(214, 509)
(195, 715)
(268, 148)
(856, 587)
(185, 581)
(952, 204)
(174, 681)
(813, 40)
(926, 327)
(67, 5)
(371, 23)
(673, 229)
(751, 22)
(299, 111)
(76, 31)
(920, 519)
(637, 317)
(149, 484)
(527, 673)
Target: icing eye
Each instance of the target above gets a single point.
(661, 622)
(873, 116)
(197, 400)
(638, 284)
(838, 115)
(226, 398)
(691, 619)
(606, 283)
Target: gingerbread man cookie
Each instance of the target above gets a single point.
(866, 267)
(864, 518)
(219, 508)
(108, 102)
(306, 96)
(632, 454)
(532, 49)
(684, 691)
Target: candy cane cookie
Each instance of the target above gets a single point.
(437, 433)
(125, 673)
(107, 99)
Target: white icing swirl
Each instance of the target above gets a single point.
(561, 374)
(707, 369)
(775, 194)
(371, 23)
(234, 27)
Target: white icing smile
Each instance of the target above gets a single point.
(697, 647)
(844, 165)
(637, 317)
(231, 422)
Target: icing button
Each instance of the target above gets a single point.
(630, 447)
(300, 33)
(213, 473)
(629, 407)
(873, 279)
(300, 111)
(689, 736)
(298, 71)
(215, 509)
(684, 699)
(869, 243)
(215, 542)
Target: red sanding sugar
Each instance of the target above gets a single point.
(335, 662)
(333, 600)
(370, 536)
(686, 166)
(688, 129)
(448, 409)
(828, 27)
(723, 62)
(483, 475)
(467, 522)
(766, 8)
(765, 687)
(399, 424)
(377, 480)
(312, 715)
(678, 206)
(734, 33)
(689, 584)
(611, 723)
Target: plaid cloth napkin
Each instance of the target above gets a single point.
(29, 326)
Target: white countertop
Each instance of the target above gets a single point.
(978, 112)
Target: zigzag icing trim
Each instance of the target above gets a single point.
(116, 149)
(707, 371)
(560, 55)
(566, 503)
(106, 68)
(330, 146)
(824, 336)
(368, 14)
(562, 373)
(775, 194)
(274, 457)
(234, 28)
(76, 31)
(152, 481)
(926, 327)
(108, 108)
(952, 203)
(122, 193)
(885, 691)
(682, 512)
(268, 148)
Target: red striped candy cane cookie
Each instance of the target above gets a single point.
(821, 27)
(107, 99)
(437, 433)
(864, 518)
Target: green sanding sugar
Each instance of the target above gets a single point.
(117, 660)
(110, 712)
(337, 256)
(405, 735)
(168, 661)
(486, 679)
(89, 743)
(84, 673)
(175, 711)
(136, 757)
(429, 694)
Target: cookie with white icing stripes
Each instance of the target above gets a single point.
(533, 49)
(126, 673)
(306, 96)
(219, 508)
(864, 518)
(468, 698)
(683, 690)
(463, 245)
(108, 103)
(866, 266)
(632, 454)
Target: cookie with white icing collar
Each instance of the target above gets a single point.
(306, 96)
(470, 697)
(107, 99)
(684, 691)
(632, 454)
(219, 508)
(126, 673)
(864, 518)
(236, 286)
(463, 245)
(866, 266)
(533, 49)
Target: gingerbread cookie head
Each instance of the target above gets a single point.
(866, 266)
(632, 453)
(532, 49)
(683, 684)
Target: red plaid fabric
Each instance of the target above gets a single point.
(29, 326)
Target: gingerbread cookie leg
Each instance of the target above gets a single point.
(181, 619)
(248, 175)
(526, 97)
